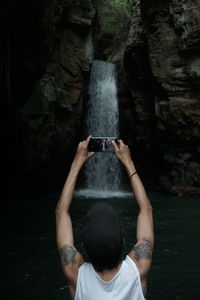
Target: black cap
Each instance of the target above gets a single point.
(102, 234)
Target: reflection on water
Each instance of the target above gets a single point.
(32, 267)
(101, 194)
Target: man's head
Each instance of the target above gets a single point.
(102, 237)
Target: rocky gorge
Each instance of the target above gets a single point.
(156, 46)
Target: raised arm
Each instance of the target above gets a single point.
(70, 257)
(142, 251)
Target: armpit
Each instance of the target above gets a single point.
(143, 250)
(67, 254)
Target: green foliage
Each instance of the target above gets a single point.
(114, 15)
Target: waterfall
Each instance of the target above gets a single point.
(102, 119)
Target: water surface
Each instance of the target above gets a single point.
(31, 267)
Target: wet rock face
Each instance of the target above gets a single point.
(52, 115)
(186, 20)
(169, 31)
(173, 43)
(81, 13)
(140, 81)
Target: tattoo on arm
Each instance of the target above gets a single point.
(67, 254)
(144, 249)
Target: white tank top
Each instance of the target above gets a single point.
(125, 285)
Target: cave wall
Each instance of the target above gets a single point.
(163, 71)
(48, 119)
(53, 112)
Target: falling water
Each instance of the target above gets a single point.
(103, 169)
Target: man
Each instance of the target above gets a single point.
(106, 277)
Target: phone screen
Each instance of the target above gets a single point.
(101, 144)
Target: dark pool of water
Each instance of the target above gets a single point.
(30, 267)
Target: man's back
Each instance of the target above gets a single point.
(125, 285)
(103, 239)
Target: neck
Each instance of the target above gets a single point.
(107, 274)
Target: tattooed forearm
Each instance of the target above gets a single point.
(67, 254)
(144, 249)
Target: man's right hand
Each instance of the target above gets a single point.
(122, 152)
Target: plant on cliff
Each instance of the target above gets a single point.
(114, 15)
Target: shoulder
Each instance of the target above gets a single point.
(71, 261)
(135, 275)
(141, 254)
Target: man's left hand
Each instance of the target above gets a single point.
(82, 153)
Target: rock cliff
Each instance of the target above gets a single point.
(163, 49)
(51, 115)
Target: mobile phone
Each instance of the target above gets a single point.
(101, 144)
